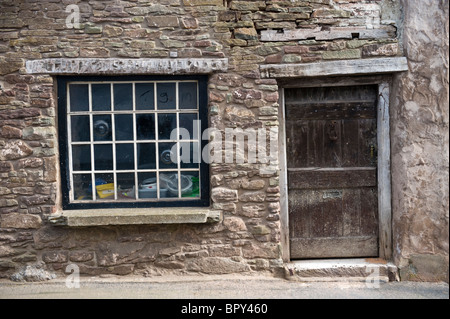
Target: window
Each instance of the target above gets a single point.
(132, 142)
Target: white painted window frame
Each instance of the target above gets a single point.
(135, 141)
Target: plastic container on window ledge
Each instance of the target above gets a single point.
(171, 181)
(195, 188)
(103, 188)
(149, 189)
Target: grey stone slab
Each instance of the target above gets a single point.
(112, 66)
(134, 216)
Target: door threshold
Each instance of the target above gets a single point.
(356, 270)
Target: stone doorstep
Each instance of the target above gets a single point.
(368, 270)
(135, 216)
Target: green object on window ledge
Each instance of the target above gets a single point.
(195, 188)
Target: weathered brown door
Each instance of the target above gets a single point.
(332, 177)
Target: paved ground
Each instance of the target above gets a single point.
(210, 287)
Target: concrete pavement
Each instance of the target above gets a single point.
(217, 287)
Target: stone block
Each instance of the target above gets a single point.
(246, 34)
(111, 31)
(426, 268)
(94, 52)
(33, 273)
(331, 13)
(246, 94)
(169, 43)
(216, 265)
(265, 250)
(19, 114)
(254, 184)
(37, 200)
(14, 150)
(189, 23)
(248, 5)
(259, 230)
(162, 21)
(81, 256)
(55, 257)
(220, 194)
(8, 66)
(39, 133)
(20, 221)
(203, 3)
(371, 50)
(142, 44)
(253, 197)
(342, 55)
(234, 224)
(239, 116)
(93, 29)
(10, 132)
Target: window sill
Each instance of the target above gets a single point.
(135, 216)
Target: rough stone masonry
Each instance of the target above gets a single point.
(247, 34)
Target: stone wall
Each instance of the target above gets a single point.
(248, 34)
(420, 140)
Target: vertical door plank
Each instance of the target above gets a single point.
(351, 212)
(332, 213)
(369, 211)
(367, 142)
(332, 144)
(315, 143)
(350, 143)
(298, 205)
(298, 144)
(315, 213)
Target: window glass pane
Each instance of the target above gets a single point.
(104, 186)
(79, 97)
(101, 97)
(190, 184)
(189, 155)
(81, 157)
(146, 156)
(167, 155)
(80, 128)
(147, 185)
(187, 95)
(82, 186)
(166, 124)
(103, 157)
(125, 186)
(127, 150)
(123, 97)
(145, 126)
(169, 184)
(102, 128)
(145, 96)
(188, 121)
(124, 156)
(124, 127)
(166, 96)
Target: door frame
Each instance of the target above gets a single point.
(384, 155)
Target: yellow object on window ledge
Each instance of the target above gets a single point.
(105, 190)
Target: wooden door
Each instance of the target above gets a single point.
(332, 171)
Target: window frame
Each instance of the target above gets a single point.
(63, 139)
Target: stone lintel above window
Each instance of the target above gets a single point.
(134, 216)
(112, 66)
